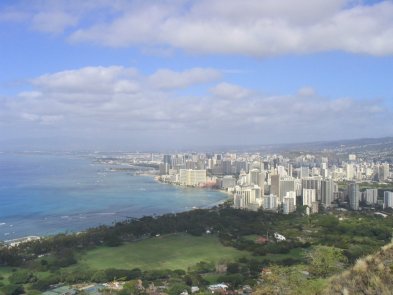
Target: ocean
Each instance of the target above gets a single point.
(44, 194)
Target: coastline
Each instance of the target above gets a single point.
(117, 216)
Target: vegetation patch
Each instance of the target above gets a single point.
(176, 251)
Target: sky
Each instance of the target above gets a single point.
(172, 74)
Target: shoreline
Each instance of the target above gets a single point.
(157, 178)
(26, 238)
(32, 237)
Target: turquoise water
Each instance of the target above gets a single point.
(43, 194)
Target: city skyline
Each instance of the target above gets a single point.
(164, 74)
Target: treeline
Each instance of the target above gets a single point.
(229, 223)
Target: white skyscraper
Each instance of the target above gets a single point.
(253, 177)
(304, 172)
(287, 184)
(313, 183)
(289, 204)
(246, 196)
(309, 197)
(349, 171)
(192, 177)
(371, 196)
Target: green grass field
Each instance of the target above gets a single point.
(177, 251)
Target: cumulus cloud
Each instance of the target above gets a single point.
(124, 102)
(89, 83)
(257, 28)
(53, 21)
(230, 91)
(253, 27)
(168, 79)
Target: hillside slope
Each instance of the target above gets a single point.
(372, 274)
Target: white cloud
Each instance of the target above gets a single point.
(252, 27)
(53, 21)
(256, 28)
(89, 83)
(231, 91)
(306, 91)
(168, 79)
(126, 103)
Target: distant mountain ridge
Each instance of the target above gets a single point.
(344, 144)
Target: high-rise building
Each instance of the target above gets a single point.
(270, 202)
(275, 185)
(327, 190)
(227, 181)
(371, 196)
(354, 196)
(314, 207)
(241, 165)
(168, 160)
(290, 170)
(289, 204)
(287, 184)
(226, 167)
(313, 183)
(164, 168)
(383, 172)
(191, 177)
(388, 200)
(291, 194)
(324, 172)
(253, 177)
(349, 171)
(304, 172)
(281, 170)
(261, 181)
(308, 197)
(246, 196)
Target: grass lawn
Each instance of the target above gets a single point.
(176, 251)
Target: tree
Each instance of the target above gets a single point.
(12, 290)
(325, 260)
(179, 288)
(22, 277)
(233, 268)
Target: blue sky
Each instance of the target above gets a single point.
(173, 74)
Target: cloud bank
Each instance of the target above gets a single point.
(252, 28)
(118, 102)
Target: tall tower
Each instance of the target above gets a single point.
(275, 185)
(354, 196)
(304, 172)
(308, 197)
(388, 200)
(327, 189)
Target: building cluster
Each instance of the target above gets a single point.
(281, 183)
